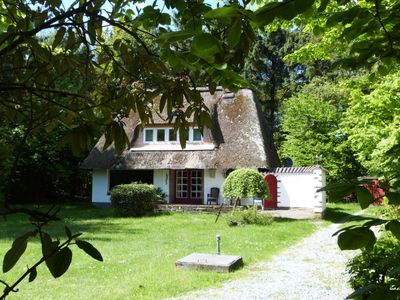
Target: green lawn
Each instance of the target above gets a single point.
(139, 253)
(338, 211)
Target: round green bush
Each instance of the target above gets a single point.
(245, 183)
(134, 199)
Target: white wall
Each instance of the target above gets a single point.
(161, 180)
(100, 186)
(320, 197)
(300, 190)
(215, 181)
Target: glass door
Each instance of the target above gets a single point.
(189, 186)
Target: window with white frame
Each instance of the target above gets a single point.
(161, 135)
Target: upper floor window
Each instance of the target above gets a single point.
(197, 136)
(160, 135)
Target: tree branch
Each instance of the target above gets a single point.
(378, 16)
(127, 30)
(49, 24)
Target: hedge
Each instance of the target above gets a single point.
(134, 199)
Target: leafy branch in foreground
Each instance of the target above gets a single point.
(56, 255)
(361, 236)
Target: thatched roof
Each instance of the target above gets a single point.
(238, 140)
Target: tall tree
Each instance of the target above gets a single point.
(372, 123)
(313, 132)
(273, 78)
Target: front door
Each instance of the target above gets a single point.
(189, 187)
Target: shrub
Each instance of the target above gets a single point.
(245, 183)
(377, 267)
(134, 199)
(161, 196)
(250, 216)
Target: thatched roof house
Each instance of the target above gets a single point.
(238, 139)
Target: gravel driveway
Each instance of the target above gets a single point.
(311, 269)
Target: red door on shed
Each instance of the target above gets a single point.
(272, 200)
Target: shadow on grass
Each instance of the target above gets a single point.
(82, 218)
(338, 215)
(287, 220)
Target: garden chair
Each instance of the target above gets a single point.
(213, 195)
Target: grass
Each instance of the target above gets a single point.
(139, 253)
(336, 212)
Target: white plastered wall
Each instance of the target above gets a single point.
(300, 190)
(100, 184)
(215, 181)
(161, 180)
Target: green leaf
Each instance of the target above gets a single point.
(234, 33)
(394, 227)
(163, 101)
(58, 37)
(76, 235)
(323, 5)
(205, 119)
(120, 138)
(89, 249)
(212, 86)
(267, 13)
(395, 271)
(71, 40)
(356, 238)
(205, 46)
(337, 186)
(172, 37)
(337, 191)
(393, 197)
(59, 263)
(32, 275)
(382, 293)
(374, 222)
(223, 12)
(17, 249)
(363, 290)
(302, 5)
(91, 29)
(68, 232)
(183, 136)
(364, 197)
(47, 245)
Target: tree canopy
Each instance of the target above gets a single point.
(58, 66)
(313, 129)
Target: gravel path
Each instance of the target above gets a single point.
(311, 269)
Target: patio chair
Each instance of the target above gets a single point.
(213, 195)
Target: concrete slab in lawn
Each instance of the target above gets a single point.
(210, 262)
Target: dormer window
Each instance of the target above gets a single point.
(148, 135)
(197, 136)
(160, 135)
(172, 136)
(168, 135)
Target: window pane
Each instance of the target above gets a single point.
(160, 135)
(196, 134)
(172, 135)
(148, 135)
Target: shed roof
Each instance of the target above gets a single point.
(309, 169)
(239, 136)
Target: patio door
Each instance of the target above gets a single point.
(189, 187)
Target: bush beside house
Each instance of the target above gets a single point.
(245, 183)
(134, 199)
